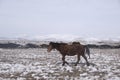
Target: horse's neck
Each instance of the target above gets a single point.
(58, 48)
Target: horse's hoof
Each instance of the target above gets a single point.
(63, 64)
(75, 64)
(88, 64)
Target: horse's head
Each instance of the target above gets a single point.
(50, 46)
(53, 45)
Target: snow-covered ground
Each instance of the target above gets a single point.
(37, 64)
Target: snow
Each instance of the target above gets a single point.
(24, 64)
(65, 38)
(67, 68)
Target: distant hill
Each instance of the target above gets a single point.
(13, 44)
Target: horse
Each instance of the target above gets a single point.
(86, 47)
(69, 50)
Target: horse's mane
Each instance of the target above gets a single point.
(56, 44)
(76, 43)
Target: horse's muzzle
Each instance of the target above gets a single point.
(48, 51)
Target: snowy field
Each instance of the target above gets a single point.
(37, 64)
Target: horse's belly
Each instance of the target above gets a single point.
(69, 54)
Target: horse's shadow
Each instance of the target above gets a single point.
(79, 64)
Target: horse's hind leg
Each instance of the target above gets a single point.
(63, 59)
(85, 59)
(78, 59)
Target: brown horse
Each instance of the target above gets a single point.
(69, 50)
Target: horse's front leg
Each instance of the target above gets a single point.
(78, 59)
(63, 59)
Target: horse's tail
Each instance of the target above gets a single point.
(87, 50)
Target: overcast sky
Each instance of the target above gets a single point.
(90, 18)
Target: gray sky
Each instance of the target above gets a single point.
(90, 18)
